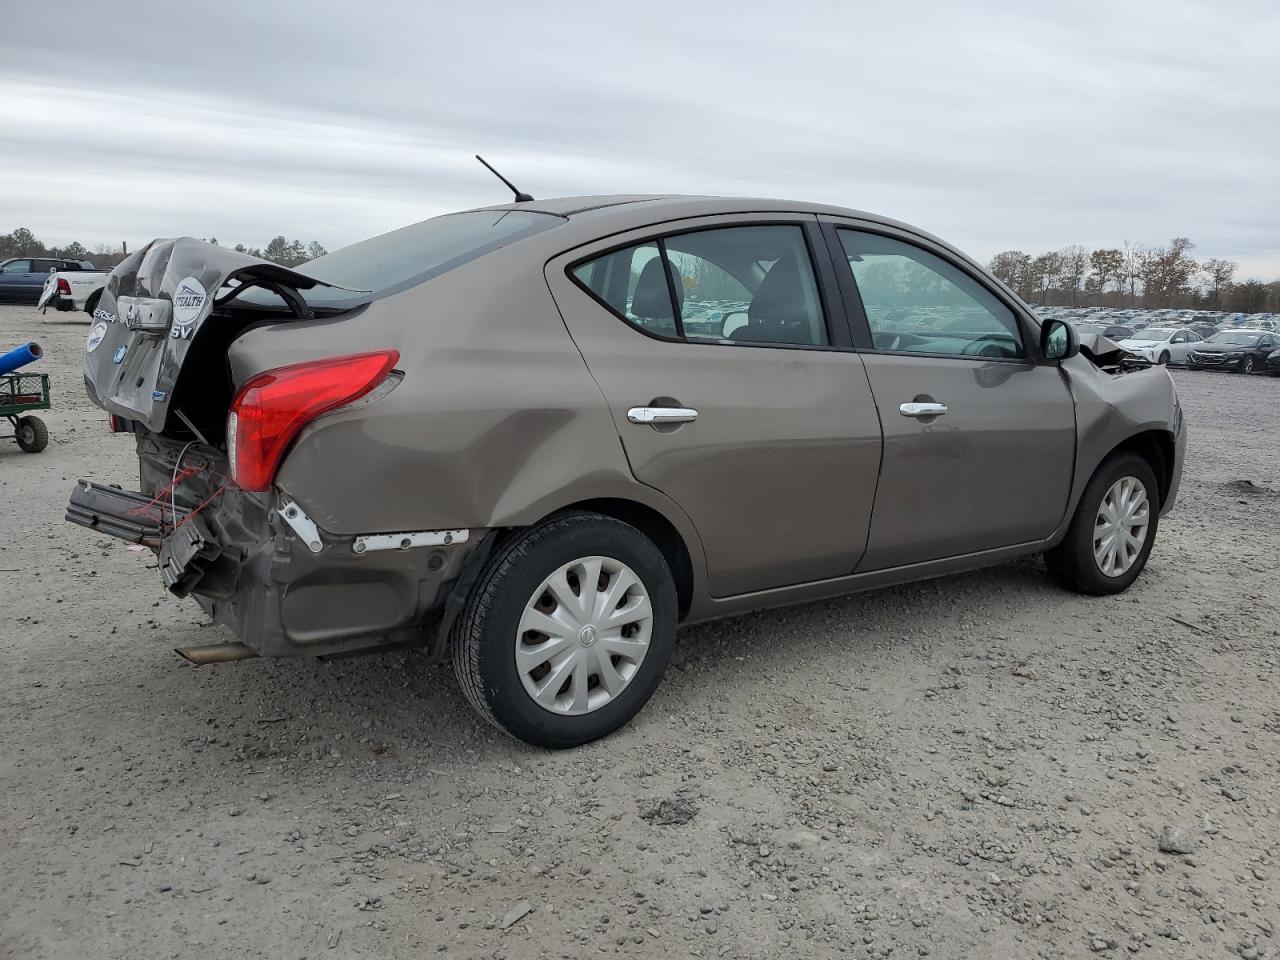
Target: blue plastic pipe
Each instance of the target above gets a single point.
(20, 357)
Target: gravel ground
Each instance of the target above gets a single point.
(980, 766)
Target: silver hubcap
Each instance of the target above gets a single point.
(1120, 529)
(583, 635)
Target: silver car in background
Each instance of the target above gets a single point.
(1163, 345)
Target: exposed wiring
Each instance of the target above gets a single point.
(191, 426)
(173, 484)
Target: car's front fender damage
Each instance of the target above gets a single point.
(1123, 401)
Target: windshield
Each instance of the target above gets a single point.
(1236, 337)
(1150, 334)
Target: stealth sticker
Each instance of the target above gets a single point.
(188, 302)
(95, 337)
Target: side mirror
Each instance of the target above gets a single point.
(1058, 340)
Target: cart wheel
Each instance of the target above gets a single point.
(33, 435)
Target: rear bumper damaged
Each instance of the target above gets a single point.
(283, 592)
(288, 600)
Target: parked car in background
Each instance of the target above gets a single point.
(547, 477)
(1204, 328)
(23, 278)
(1162, 344)
(73, 290)
(1242, 351)
(1273, 363)
(1112, 331)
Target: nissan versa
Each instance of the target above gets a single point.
(536, 437)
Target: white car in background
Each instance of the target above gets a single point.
(72, 290)
(1162, 344)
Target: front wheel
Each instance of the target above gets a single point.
(1246, 365)
(1164, 359)
(1113, 529)
(567, 631)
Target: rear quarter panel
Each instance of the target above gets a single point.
(496, 423)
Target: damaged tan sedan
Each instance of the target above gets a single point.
(537, 437)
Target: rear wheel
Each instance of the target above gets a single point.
(33, 435)
(567, 631)
(1113, 529)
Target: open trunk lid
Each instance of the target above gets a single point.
(49, 289)
(154, 312)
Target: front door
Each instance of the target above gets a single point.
(979, 438)
(731, 391)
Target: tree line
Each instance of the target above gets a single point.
(23, 243)
(1133, 275)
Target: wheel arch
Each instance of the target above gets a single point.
(91, 304)
(1154, 446)
(661, 531)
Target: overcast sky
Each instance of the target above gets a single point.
(991, 124)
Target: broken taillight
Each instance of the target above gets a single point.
(272, 407)
(63, 286)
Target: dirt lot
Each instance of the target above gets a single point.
(980, 766)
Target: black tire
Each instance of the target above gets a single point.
(91, 304)
(1071, 563)
(1246, 365)
(33, 435)
(1191, 366)
(483, 640)
(1164, 359)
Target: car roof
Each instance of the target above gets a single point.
(601, 216)
(624, 211)
(680, 205)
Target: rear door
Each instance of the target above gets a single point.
(732, 390)
(979, 438)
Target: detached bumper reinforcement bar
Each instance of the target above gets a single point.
(122, 513)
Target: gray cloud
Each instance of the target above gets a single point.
(988, 123)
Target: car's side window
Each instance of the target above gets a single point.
(750, 284)
(916, 302)
(753, 284)
(17, 266)
(631, 282)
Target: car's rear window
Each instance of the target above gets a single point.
(403, 258)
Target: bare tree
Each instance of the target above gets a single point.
(1106, 269)
(1218, 274)
(1046, 270)
(1130, 270)
(1075, 261)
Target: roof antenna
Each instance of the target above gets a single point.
(520, 197)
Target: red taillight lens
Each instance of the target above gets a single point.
(271, 408)
(63, 286)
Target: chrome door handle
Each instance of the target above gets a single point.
(921, 410)
(661, 414)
